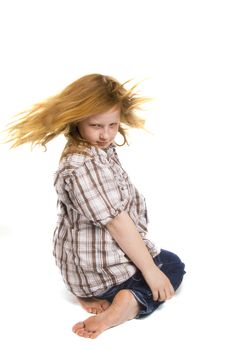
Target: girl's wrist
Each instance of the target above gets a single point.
(150, 268)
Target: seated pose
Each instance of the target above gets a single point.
(100, 240)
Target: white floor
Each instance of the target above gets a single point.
(36, 310)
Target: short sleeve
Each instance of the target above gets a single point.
(94, 193)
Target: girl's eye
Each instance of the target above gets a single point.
(96, 126)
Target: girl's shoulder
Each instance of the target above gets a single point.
(72, 162)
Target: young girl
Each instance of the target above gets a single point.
(100, 241)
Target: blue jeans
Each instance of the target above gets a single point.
(169, 263)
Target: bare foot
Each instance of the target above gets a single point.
(93, 305)
(123, 308)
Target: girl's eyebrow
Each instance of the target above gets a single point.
(98, 123)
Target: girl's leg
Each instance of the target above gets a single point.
(123, 308)
(172, 266)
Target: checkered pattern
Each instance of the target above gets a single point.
(91, 191)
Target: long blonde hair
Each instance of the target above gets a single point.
(89, 95)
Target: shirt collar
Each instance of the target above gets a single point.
(106, 153)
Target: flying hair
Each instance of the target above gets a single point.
(89, 95)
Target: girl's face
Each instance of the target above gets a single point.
(100, 129)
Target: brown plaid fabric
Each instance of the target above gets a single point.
(91, 191)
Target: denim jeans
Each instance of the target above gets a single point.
(169, 263)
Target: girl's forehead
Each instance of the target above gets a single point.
(112, 114)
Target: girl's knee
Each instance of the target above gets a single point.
(173, 267)
(168, 257)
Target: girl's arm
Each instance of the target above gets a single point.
(124, 231)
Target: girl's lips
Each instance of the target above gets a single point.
(102, 143)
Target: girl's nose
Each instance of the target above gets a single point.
(104, 134)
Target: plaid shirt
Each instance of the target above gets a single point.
(91, 191)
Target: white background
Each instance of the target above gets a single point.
(184, 167)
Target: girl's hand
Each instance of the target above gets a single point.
(159, 284)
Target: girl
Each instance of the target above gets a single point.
(100, 242)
